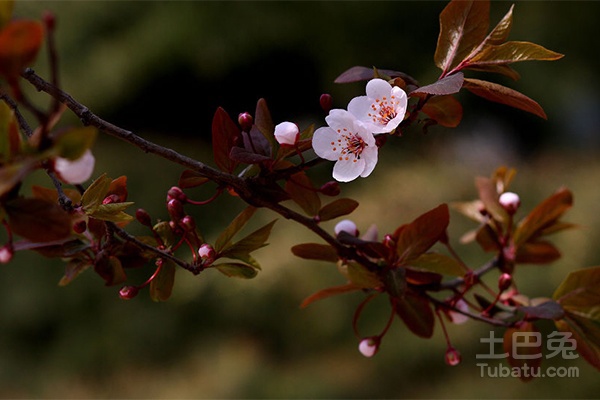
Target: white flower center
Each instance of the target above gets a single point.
(383, 110)
(348, 144)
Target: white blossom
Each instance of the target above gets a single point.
(382, 109)
(77, 171)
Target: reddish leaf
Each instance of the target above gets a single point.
(337, 208)
(416, 277)
(503, 95)
(20, 41)
(463, 26)
(161, 286)
(332, 291)
(51, 195)
(488, 194)
(301, 190)
(118, 187)
(521, 344)
(487, 238)
(544, 216)
(264, 123)
(6, 10)
(358, 73)
(511, 52)
(505, 70)
(448, 85)
(10, 139)
(248, 244)
(416, 313)
(579, 295)
(191, 179)
(72, 270)
(500, 32)
(538, 252)
(438, 263)
(225, 135)
(111, 270)
(417, 237)
(444, 110)
(315, 251)
(243, 155)
(38, 220)
(361, 276)
(547, 310)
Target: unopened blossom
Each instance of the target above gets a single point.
(346, 225)
(349, 143)
(368, 347)
(510, 201)
(77, 171)
(287, 133)
(382, 109)
(452, 356)
(6, 254)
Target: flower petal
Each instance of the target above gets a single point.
(378, 88)
(348, 169)
(369, 155)
(321, 142)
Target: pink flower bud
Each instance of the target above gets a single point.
(206, 253)
(287, 133)
(510, 201)
(175, 209)
(368, 347)
(6, 254)
(504, 281)
(245, 120)
(188, 223)
(452, 356)
(346, 226)
(111, 198)
(326, 102)
(128, 292)
(75, 172)
(178, 194)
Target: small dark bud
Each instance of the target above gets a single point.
(245, 120)
(80, 226)
(331, 188)
(504, 281)
(188, 223)
(176, 193)
(143, 217)
(128, 292)
(49, 19)
(326, 102)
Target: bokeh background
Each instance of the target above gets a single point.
(162, 68)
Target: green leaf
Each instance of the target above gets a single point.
(190, 179)
(547, 310)
(95, 194)
(236, 270)
(361, 276)
(417, 237)
(416, 313)
(543, 217)
(503, 95)
(161, 286)
(250, 243)
(112, 212)
(337, 208)
(224, 239)
(164, 231)
(463, 26)
(315, 251)
(511, 52)
(73, 143)
(37, 220)
(438, 263)
(301, 190)
(329, 292)
(72, 270)
(444, 110)
(225, 135)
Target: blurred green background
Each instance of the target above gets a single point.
(162, 68)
